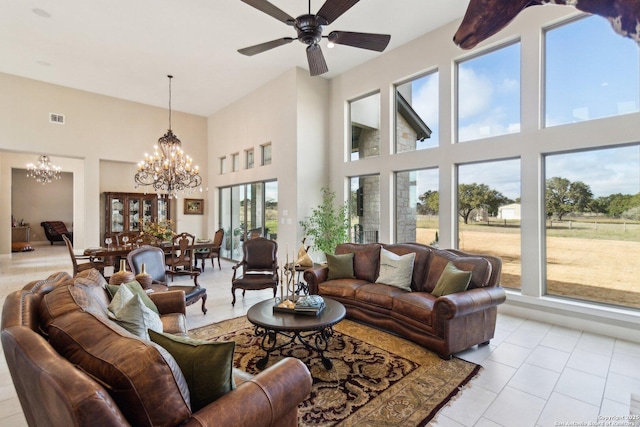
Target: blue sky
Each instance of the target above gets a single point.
(591, 72)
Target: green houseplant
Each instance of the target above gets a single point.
(328, 224)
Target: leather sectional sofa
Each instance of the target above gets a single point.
(446, 324)
(111, 377)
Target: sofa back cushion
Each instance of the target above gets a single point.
(84, 292)
(420, 264)
(479, 267)
(141, 377)
(366, 259)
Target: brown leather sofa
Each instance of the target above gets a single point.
(128, 381)
(446, 324)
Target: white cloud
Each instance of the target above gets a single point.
(475, 93)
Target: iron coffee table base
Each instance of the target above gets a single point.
(277, 329)
(314, 340)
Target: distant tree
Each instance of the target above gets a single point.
(429, 203)
(475, 196)
(563, 197)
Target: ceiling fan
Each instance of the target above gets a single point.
(309, 28)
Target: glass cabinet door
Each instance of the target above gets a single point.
(117, 215)
(147, 211)
(134, 214)
(163, 209)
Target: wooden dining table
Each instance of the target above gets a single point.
(113, 253)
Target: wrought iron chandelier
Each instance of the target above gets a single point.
(43, 172)
(169, 170)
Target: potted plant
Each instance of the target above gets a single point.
(328, 224)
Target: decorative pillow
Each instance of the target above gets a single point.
(132, 314)
(396, 270)
(340, 266)
(451, 281)
(206, 365)
(136, 288)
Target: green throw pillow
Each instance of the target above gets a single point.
(207, 366)
(136, 288)
(340, 266)
(129, 311)
(451, 281)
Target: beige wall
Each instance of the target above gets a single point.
(97, 129)
(34, 202)
(291, 113)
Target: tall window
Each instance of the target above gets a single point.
(592, 204)
(223, 165)
(247, 210)
(489, 94)
(364, 208)
(365, 127)
(266, 154)
(417, 206)
(590, 72)
(489, 213)
(417, 114)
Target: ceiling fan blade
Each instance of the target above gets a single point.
(317, 64)
(262, 47)
(377, 42)
(271, 10)
(333, 9)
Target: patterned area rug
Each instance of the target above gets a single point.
(378, 379)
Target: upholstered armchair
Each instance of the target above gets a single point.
(259, 267)
(153, 259)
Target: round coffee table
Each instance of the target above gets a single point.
(313, 332)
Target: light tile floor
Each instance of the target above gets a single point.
(535, 374)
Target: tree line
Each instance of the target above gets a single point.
(562, 197)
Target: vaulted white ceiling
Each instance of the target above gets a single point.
(125, 48)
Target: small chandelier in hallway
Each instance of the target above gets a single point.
(43, 172)
(169, 170)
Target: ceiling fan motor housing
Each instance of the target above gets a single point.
(309, 28)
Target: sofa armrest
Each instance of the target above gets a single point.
(314, 276)
(169, 302)
(463, 303)
(273, 397)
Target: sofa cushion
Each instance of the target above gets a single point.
(366, 259)
(136, 288)
(396, 270)
(84, 292)
(340, 266)
(378, 294)
(420, 265)
(341, 288)
(129, 311)
(479, 267)
(417, 306)
(451, 281)
(141, 376)
(206, 365)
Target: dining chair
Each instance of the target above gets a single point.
(259, 267)
(213, 252)
(78, 267)
(181, 253)
(153, 259)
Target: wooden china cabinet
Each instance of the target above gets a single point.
(126, 212)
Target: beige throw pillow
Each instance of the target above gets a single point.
(396, 270)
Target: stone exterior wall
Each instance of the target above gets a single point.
(405, 212)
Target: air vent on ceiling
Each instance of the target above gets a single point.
(56, 118)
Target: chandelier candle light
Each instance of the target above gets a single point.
(43, 172)
(169, 170)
